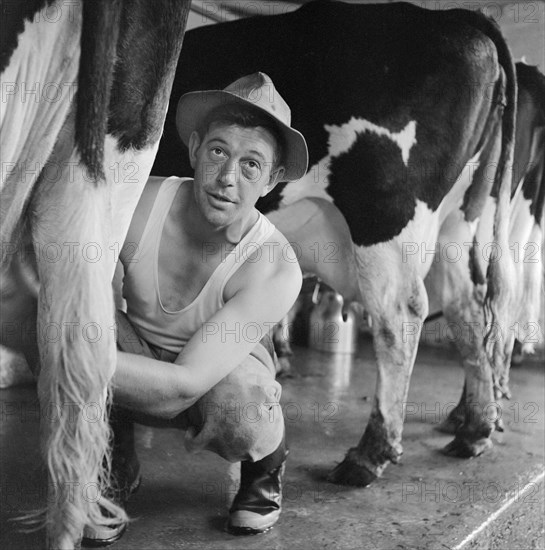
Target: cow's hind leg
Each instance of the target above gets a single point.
(462, 294)
(398, 305)
(455, 419)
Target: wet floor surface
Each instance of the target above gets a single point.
(428, 501)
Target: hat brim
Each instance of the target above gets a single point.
(193, 107)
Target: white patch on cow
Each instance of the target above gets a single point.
(473, 225)
(341, 139)
(126, 174)
(521, 220)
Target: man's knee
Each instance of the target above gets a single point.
(239, 422)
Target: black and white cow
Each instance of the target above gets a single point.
(85, 87)
(409, 116)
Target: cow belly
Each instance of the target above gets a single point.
(321, 241)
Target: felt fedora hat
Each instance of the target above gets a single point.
(256, 90)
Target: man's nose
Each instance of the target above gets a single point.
(228, 173)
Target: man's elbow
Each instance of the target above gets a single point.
(174, 407)
(182, 397)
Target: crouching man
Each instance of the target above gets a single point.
(201, 265)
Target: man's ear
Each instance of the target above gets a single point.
(275, 178)
(193, 146)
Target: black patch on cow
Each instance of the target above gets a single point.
(128, 53)
(148, 50)
(475, 271)
(531, 102)
(364, 184)
(13, 15)
(540, 201)
(530, 79)
(271, 201)
(533, 188)
(99, 35)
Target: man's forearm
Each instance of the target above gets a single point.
(150, 386)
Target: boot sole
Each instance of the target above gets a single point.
(93, 542)
(249, 530)
(246, 531)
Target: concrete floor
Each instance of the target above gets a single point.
(429, 501)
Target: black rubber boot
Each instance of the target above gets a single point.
(125, 479)
(257, 505)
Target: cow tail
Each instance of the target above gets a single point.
(498, 294)
(497, 298)
(77, 365)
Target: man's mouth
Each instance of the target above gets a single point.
(221, 198)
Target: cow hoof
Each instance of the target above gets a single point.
(463, 448)
(450, 425)
(350, 472)
(500, 426)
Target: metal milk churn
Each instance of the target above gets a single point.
(329, 330)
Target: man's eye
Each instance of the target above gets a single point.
(217, 152)
(251, 169)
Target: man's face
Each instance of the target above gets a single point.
(233, 168)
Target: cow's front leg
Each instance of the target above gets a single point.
(398, 309)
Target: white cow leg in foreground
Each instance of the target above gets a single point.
(77, 228)
(77, 346)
